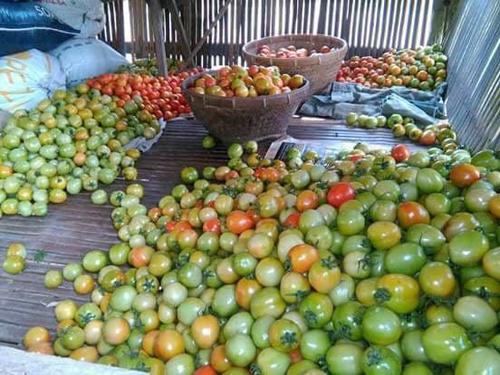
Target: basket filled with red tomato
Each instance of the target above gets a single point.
(238, 104)
(317, 57)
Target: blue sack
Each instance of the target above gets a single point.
(25, 25)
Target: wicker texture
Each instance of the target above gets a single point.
(319, 69)
(242, 119)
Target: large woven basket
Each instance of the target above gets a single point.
(242, 119)
(320, 69)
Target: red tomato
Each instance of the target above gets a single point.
(292, 221)
(212, 225)
(205, 370)
(340, 193)
(400, 153)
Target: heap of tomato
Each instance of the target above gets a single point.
(379, 265)
(161, 96)
(423, 69)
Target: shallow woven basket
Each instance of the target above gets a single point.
(243, 119)
(320, 69)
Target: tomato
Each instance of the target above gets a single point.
(400, 293)
(272, 361)
(428, 237)
(444, 343)
(400, 153)
(340, 193)
(407, 258)
(36, 335)
(380, 360)
(307, 199)
(412, 346)
(479, 360)
(350, 222)
(205, 370)
(302, 257)
(429, 181)
(383, 234)
(467, 248)
(284, 335)
(240, 350)
(294, 286)
(316, 309)
(491, 263)
(463, 175)
(168, 344)
(383, 210)
(267, 301)
(347, 319)
(219, 360)
(475, 314)
(238, 221)
(411, 213)
(324, 275)
(344, 358)
(381, 326)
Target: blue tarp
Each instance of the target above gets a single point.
(426, 107)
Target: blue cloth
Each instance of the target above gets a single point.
(424, 106)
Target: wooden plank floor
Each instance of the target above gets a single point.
(77, 226)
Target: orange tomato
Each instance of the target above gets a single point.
(36, 335)
(302, 257)
(168, 344)
(306, 200)
(140, 256)
(494, 206)
(238, 221)
(212, 225)
(219, 360)
(411, 213)
(245, 290)
(324, 275)
(463, 175)
(148, 342)
(205, 330)
(41, 348)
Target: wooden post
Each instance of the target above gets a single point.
(176, 17)
(156, 17)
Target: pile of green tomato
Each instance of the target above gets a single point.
(286, 267)
(441, 134)
(69, 143)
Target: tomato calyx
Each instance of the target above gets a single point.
(382, 295)
(374, 357)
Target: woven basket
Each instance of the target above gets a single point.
(243, 119)
(320, 69)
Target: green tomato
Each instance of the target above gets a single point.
(413, 347)
(347, 318)
(345, 358)
(350, 222)
(475, 314)
(267, 301)
(314, 344)
(429, 181)
(208, 142)
(189, 175)
(316, 309)
(73, 338)
(13, 264)
(94, 260)
(260, 331)
(99, 197)
(122, 298)
(224, 302)
(467, 248)
(240, 350)
(53, 279)
(479, 360)
(273, 362)
(71, 271)
(235, 151)
(379, 360)
(406, 258)
(181, 364)
(428, 237)
(444, 343)
(381, 326)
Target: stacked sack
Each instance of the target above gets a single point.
(49, 44)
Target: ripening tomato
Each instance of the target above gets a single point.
(212, 225)
(400, 153)
(238, 221)
(292, 221)
(205, 370)
(307, 199)
(340, 193)
(411, 213)
(205, 330)
(463, 175)
(302, 257)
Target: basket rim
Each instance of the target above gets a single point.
(235, 102)
(269, 40)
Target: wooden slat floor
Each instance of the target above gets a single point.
(77, 226)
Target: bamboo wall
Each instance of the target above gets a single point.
(369, 26)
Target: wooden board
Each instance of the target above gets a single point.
(78, 226)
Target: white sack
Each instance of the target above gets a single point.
(26, 78)
(82, 59)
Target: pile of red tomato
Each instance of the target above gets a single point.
(162, 96)
(384, 264)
